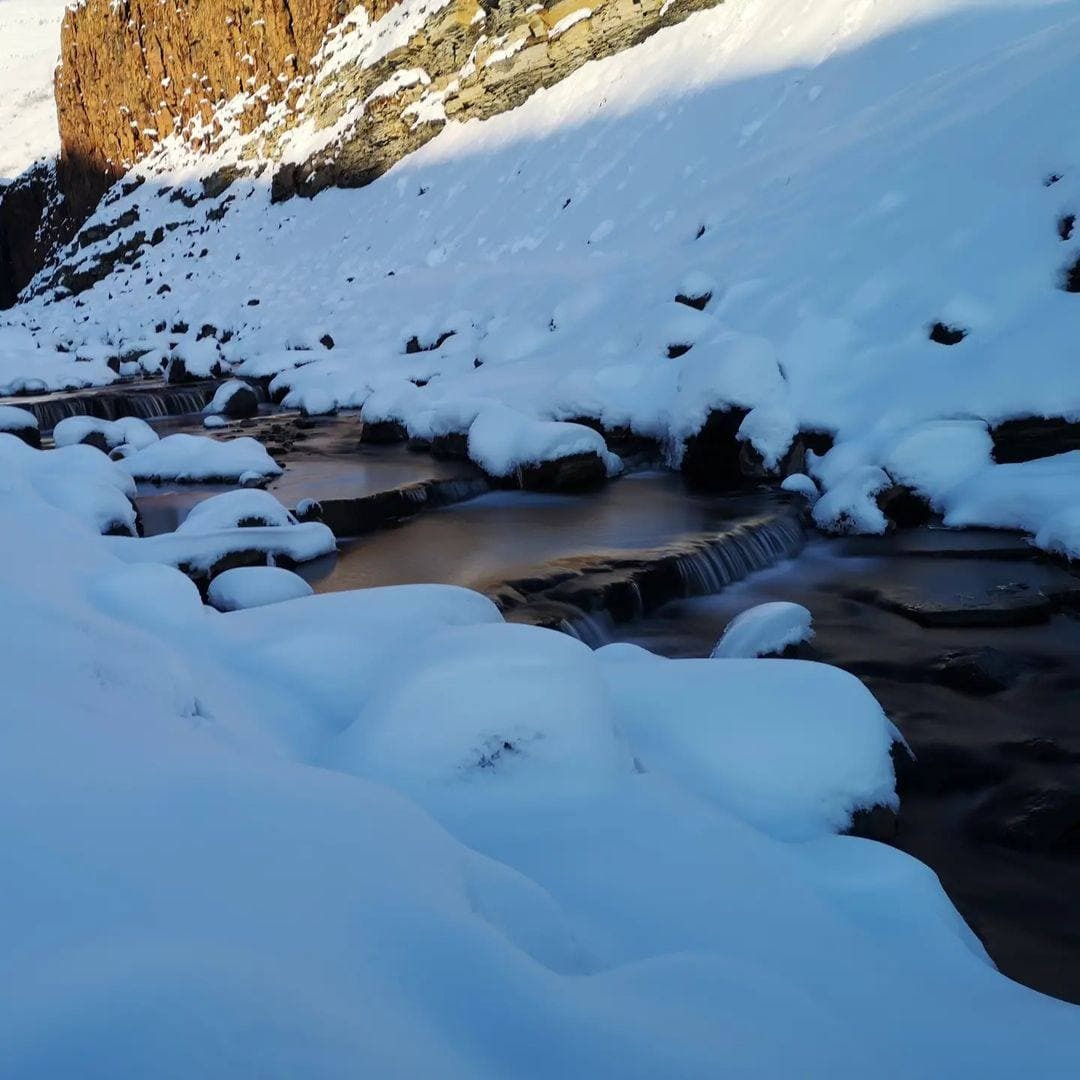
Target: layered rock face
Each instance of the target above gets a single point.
(465, 60)
(135, 71)
(328, 92)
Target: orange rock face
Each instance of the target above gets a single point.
(134, 71)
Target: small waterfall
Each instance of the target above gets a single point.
(149, 403)
(605, 590)
(714, 563)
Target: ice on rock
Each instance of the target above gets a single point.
(255, 586)
(765, 630)
(194, 458)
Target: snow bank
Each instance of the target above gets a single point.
(193, 458)
(764, 630)
(294, 839)
(791, 747)
(76, 479)
(200, 552)
(255, 586)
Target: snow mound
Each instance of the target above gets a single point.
(792, 748)
(128, 431)
(233, 509)
(501, 441)
(764, 630)
(194, 458)
(12, 418)
(255, 586)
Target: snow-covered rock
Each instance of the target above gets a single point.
(194, 458)
(233, 399)
(129, 431)
(765, 630)
(255, 586)
(21, 423)
(234, 509)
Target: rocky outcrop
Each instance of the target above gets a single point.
(134, 71)
(467, 60)
(34, 223)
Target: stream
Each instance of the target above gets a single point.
(970, 642)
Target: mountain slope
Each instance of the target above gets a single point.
(835, 177)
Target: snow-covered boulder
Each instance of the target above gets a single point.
(765, 630)
(793, 748)
(541, 454)
(21, 423)
(197, 458)
(233, 399)
(236, 509)
(128, 431)
(255, 586)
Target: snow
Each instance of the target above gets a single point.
(801, 484)
(29, 51)
(764, 630)
(838, 190)
(229, 509)
(789, 747)
(127, 431)
(12, 418)
(197, 457)
(501, 441)
(298, 829)
(201, 551)
(223, 395)
(384, 833)
(255, 586)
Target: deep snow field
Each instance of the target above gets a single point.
(29, 50)
(384, 833)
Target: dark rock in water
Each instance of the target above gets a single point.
(874, 823)
(940, 769)
(308, 510)
(576, 472)
(383, 431)
(353, 517)
(979, 671)
(1042, 750)
(712, 457)
(904, 508)
(1030, 819)
(1034, 437)
(176, 372)
(453, 446)
(418, 445)
(947, 335)
(242, 404)
(969, 592)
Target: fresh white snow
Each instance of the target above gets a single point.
(29, 51)
(765, 630)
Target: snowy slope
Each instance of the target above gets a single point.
(29, 50)
(839, 175)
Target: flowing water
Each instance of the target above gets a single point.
(645, 560)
